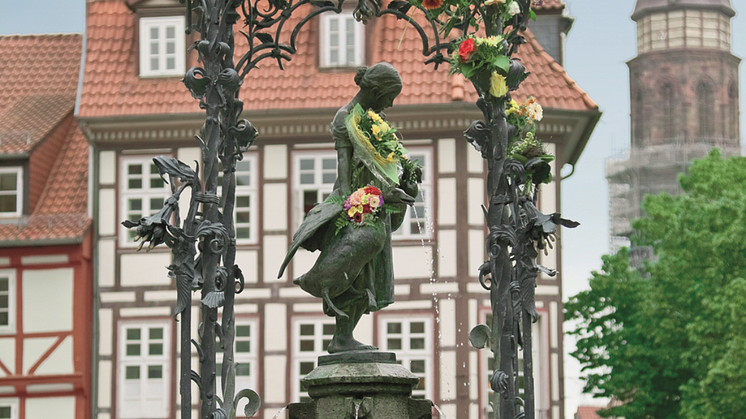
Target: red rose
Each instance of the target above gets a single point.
(466, 49)
(372, 190)
(366, 209)
(432, 4)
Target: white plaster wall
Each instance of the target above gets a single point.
(107, 167)
(8, 354)
(446, 202)
(60, 361)
(4, 261)
(448, 375)
(449, 410)
(555, 377)
(447, 308)
(412, 262)
(275, 161)
(275, 207)
(439, 288)
(447, 155)
(476, 252)
(275, 248)
(51, 407)
(276, 381)
(51, 289)
(303, 261)
(106, 262)
(447, 253)
(275, 328)
(44, 259)
(145, 312)
(140, 269)
(188, 155)
(248, 261)
(107, 212)
(474, 375)
(364, 330)
(105, 327)
(33, 349)
(553, 313)
(475, 188)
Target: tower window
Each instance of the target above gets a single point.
(668, 121)
(705, 109)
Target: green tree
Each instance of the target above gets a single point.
(671, 342)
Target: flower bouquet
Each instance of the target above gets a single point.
(378, 146)
(523, 144)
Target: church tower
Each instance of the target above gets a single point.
(683, 102)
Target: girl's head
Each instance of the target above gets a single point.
(380, 84)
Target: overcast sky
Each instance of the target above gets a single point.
(598, 46)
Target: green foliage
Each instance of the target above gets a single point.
(671, 342)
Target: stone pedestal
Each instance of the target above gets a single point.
(362, 385)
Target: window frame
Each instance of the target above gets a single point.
(18, 170)
(252, 191)
(12, 303)
(324, 41)
(426, 192)
(143, 361)
(408, 355)
(144, 194)
(146, 23)
(13, 404)
(307, 356)
(299, 212)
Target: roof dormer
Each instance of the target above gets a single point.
(161, 37)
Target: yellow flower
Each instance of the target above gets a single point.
(512, 107)
(384, 126)
(376, 130)
(374, 116)
(498, 87)
(353, 210)
(390, 157)
(366, 199)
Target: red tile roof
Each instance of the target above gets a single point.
(588, 412)
(39, 77)
(112, 87)
(39, 80)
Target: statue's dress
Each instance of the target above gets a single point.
(355, 264)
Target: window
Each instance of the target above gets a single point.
(417, 220)
(539, 365)
(143, 370)
(9, 409)
(733, 109)
(143, 193)
(705, 109)
(244, 350)
(667, 96)
(342, 41)
(7, 301)
(312, 337)
(162, 51)
(244, 211)
(315, 175)
(411, 340)
(11, 191)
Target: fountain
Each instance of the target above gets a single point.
(353, 274)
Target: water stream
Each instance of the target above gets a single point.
(357, 408)
(440, 412)
(279, 413)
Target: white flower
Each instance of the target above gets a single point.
(514, 8)
(491, 2)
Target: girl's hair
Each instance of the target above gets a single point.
(381, 75)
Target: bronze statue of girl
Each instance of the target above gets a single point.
(354, 272)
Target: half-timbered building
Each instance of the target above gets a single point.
(45, 234)
(133, 106)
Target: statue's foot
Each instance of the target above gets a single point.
(346, 344)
